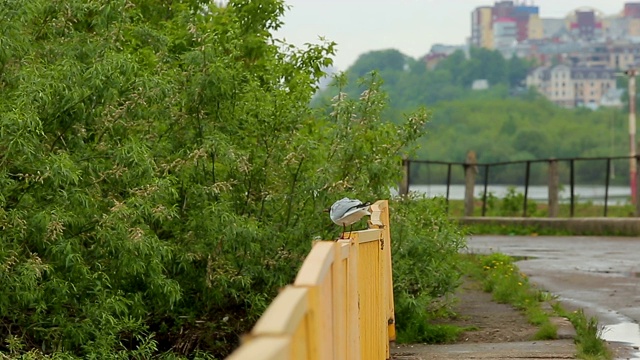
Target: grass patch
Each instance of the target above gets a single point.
(500, 276)
(590, 345)
(547, 331)
(502, 229)
(424, 332)
(513, 204)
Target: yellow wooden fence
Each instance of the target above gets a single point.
(340, 305)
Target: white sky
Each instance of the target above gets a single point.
(411, 26)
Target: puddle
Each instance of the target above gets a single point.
(628, 333)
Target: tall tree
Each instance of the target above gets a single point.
(161, 169)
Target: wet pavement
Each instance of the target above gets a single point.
(600, 275)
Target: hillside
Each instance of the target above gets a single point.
(505, 122)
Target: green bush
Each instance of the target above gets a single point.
(425, 244)
(162, 174)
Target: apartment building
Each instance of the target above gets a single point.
(482, 27)
(582, 24)
(570, 86)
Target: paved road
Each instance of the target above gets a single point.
(599, 274)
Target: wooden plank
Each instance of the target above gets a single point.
(263, 348)
(317, 264)
(368, 235)
(388, 270)
(284, 314)
(339, 288)
(315, 324)
(325, 312)
(344, 249)
(353, 302)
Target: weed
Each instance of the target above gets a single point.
(590, 345)
(501, 277)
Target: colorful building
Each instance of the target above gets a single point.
(482, 27)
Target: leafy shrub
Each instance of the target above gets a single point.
(425, 244)
(161, 172)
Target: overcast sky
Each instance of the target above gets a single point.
(411, 26)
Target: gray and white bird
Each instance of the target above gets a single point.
(348, 211)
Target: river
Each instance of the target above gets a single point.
(618, 195)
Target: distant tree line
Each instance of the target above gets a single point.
(503, 123)
(410, 84)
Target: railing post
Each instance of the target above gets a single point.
(448, 184)
(380, 220)
(637, 186)
(484, 192)
(470, 171)
(403, 189)
(340, 312)
(571, 185)
(606, 187)
(353, 304)
(554, 185)
(526, 188)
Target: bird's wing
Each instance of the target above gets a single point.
(345, 207)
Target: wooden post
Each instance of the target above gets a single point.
(470, 171)
(554, 185)
(403, 189)
(637, 159)
(353, 302)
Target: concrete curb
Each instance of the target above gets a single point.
(551, 349)
(566, 331)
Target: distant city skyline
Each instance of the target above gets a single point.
(411, 26)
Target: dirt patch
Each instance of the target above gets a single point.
(493, 322)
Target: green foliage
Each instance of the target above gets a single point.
(426, 333)
(425, 247)
(510, 205)
(503, 123)
(547, 331)
(410, 84)
(161, 173)
(501, 277)
(590, 345)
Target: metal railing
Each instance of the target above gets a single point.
(471, 169)
(340, 305)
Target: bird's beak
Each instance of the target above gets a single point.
(326, 210)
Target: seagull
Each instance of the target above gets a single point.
(348, 211)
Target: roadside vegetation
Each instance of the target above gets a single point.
(425, 247)
(512, 205)
(162, 175)
(501, 277)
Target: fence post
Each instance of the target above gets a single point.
(637, 187)
(554, 185)
(403, 189)
(470, 171)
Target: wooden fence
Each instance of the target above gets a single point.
(340, 305)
